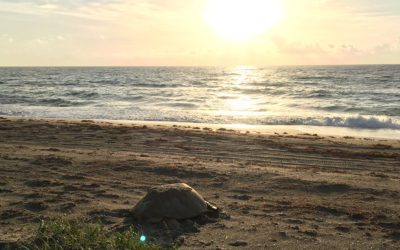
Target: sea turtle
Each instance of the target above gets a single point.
(172, 201)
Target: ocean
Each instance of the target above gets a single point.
(361, 97)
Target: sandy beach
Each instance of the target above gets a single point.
(282, 190)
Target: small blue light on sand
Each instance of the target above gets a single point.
(142, 238)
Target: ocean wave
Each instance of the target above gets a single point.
(181, 104)
(350, 122)
(82, 94)
(58, 102)
(136, 113)
(104, 81)
(315, 78)
(154, 85)
(133, 98)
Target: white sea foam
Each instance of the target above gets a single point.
(353, 122)
(132, 113)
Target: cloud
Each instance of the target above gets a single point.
(283, 46)
(48, 6)
(371, 8)
(41, 41)
(88, 9)
(348, 48)
(382, 48)
(7, 38)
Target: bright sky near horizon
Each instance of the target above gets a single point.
(198, 32)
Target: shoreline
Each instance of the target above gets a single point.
(377, 134)
(279, 191)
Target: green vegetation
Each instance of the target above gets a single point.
(75, 235)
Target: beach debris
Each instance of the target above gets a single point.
(172, 201)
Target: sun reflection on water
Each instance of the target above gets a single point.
(241, 104)
(238, 103)
(244, 73)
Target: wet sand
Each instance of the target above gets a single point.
(281, 190)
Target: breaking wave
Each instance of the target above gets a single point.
(350, 122)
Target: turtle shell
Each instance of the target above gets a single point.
(175, 201)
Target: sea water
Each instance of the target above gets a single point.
(360, 97)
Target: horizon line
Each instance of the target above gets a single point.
(190, 66)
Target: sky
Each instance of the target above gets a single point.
(178, 33)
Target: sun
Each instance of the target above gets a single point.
(241, 20)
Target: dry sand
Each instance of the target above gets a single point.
(285, 191)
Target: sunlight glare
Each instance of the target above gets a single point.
(241, 104)
(241, 20)
(243, 72)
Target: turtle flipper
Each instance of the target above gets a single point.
(211, 206)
